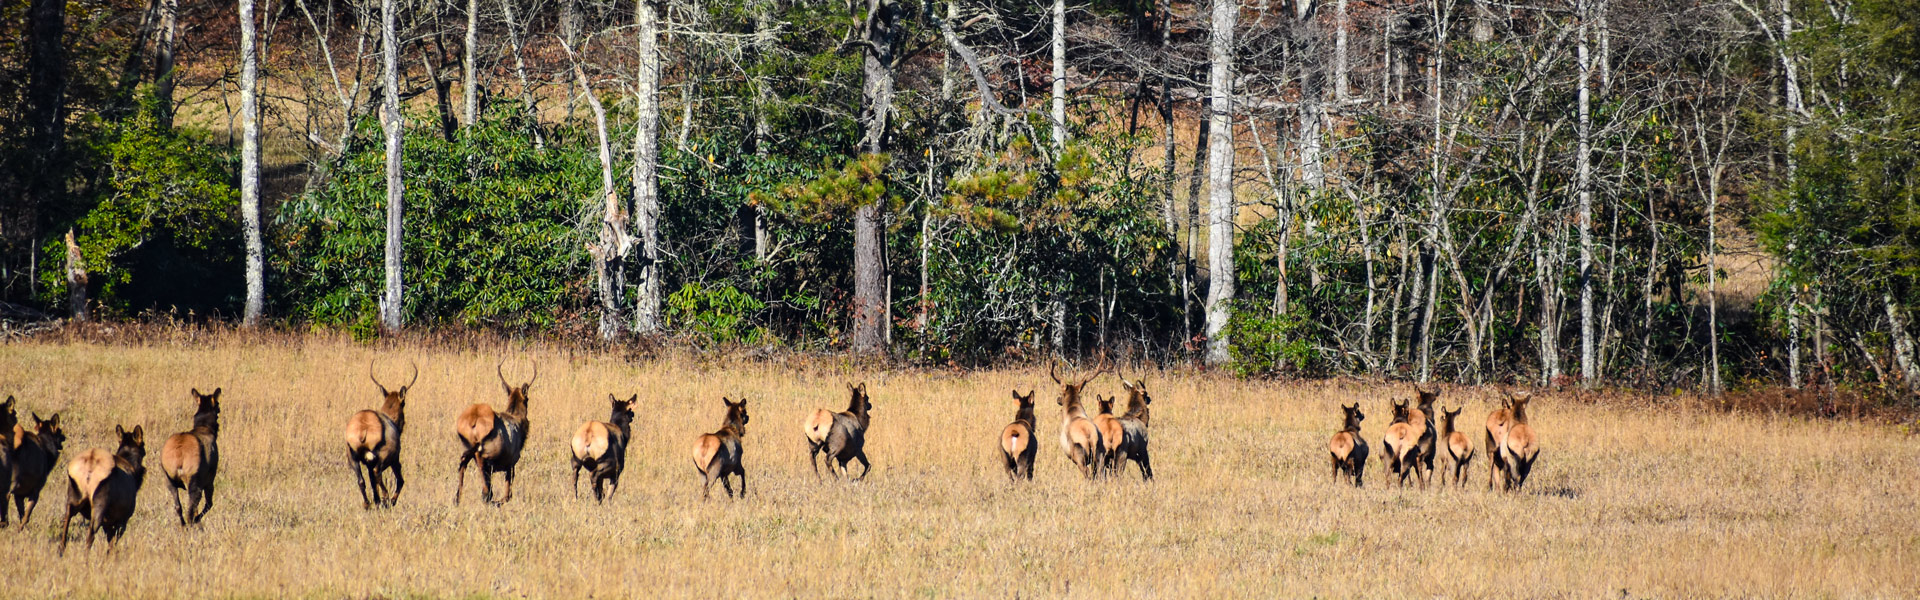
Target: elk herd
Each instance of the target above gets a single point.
(1411, 444)
(102, 485)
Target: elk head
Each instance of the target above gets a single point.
(516, 396)
(207, 414)
(396, 399)
(1353, 417)
(858, 402)
(1070, 390)
(737, 416)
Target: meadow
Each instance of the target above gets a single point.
(1655, 498)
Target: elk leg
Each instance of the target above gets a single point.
(26, 510)
(508, 477)
(360, 481)
(399, 483)
(179, 511)
(206, 501)
(65, 526)
(813, 458)
(726, 483)
(706, 491)
(576, 483)
(613, 485)
(742, 472)
(864, 467)
(1146, 465)
(460, 484)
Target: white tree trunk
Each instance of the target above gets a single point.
(1583, 185)
(469, 83)
(610, 245)
(1902, 342)
(1220, 179)
(1059, 114)
(391, 315)
(1340, 92)
(163, 79)
(250, 165)
(646, 162)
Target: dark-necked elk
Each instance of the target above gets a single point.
(189, 459)
(1401, 443)
(8, 421)
(600, 447)
(1498, 423)
(1133, 429)
(717, 455)
(34, 454)
(1459, 448)
(1110, 434)
(1422, 419)
(373, 443)
(102, 487)
(493, 438)
(842, 436)
(1347, 449)
(1079, 437)
(1521, 448)
(1016, 440)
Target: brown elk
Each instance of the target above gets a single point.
(190, 459)
(1347, 449)
(1422, 419)
(842, 436)
(1133, 429)
(1459, 447)
(1111, 434)
(102, 487)
(8, 421)
(1079, 437)
(600, 447)
(717, 455)
(1521, 447)
(34, 453)
(1498, 423)
(1401, 443)
(373, 443)
(493, 438)
(1016, 440)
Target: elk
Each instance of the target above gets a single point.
(717, 455)
(1079, 437)
(8, 421)
(102, 487)
(373, 443)
(34, 453)
(1016, 440)
(493, 438)
(842, 436)
(190, 459)
(1520, 448)
(600, 447)
(1422, 421)
(1133, 429)
(1347, 449)
(1459, 448)
(1498, 423)
(1110, 434)
(1401, 443)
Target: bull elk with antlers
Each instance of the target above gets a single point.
(1079, 437)
(493, 438)
(373, 443)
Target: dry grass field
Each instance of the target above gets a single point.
(1626, 502)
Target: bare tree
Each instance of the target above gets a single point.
(391, 313)
(871, 320)
(250, 165)
(646, 159)
(469, 78)
(163, 81)
(1220, 179)
(1583, 185)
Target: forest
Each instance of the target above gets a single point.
(1666, 194)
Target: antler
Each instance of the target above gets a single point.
(536, 372)
(498, 371)
(1053, 371)
(416, 377)
(376, 380)
(1104, 365)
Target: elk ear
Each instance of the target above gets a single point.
(139, 435)
(633, 401)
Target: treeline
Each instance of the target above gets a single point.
(1456, 189)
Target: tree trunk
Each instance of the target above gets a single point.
(469, 78)
(1902, 343)
(391, 316)
(1195, 178)
(520, 73)
(611, 243)
(1059, 46)
(1713, 281)
(44, 111)
(76, 281)
(1583, 186)
(1176, 266)
(250, 165)
(871, 318)
(1340, 92)
(1220, 203)
(762, 130)
(163, 61)
(646, 163)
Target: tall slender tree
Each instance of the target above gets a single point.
(250, 165)
(1220, 269)
(871, 313)
(646, 161)
(392, 315)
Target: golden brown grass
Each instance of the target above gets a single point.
(1624, 502)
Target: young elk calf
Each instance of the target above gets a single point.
(493, 438)
(8, 420)
(1459, 448)
(1402, 441)
(1498, 423)
(717, 455)
(189, 459)
(1521, 448)
(34, 453)
(1133, 429)
(843, 436)
(102, 487)
(1016, 440)
(1079, 437)
(373, 443)
(1422, 420)
(1347, 449)
(1111, 434)
(601, 449)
